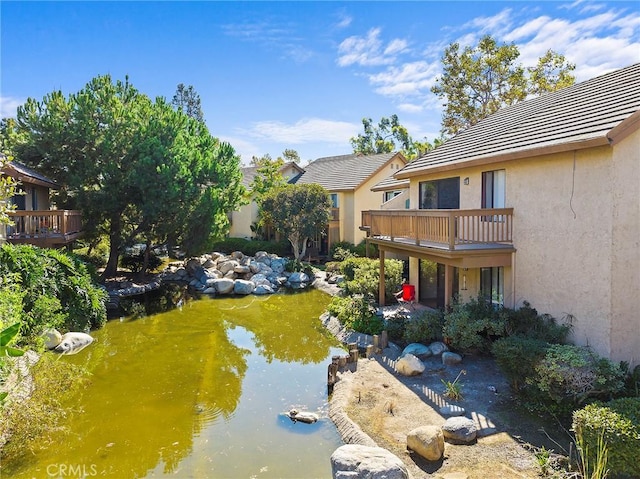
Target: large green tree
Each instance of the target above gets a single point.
(478, 81)
(389, 135)
(136, 168)
(299, 212)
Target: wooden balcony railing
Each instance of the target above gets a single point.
(448, 229)
(44, 228)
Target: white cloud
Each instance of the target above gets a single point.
(9, 106)
(494, 25)
(304, 131)
(410, 79)
(344, 20)
(369, 50)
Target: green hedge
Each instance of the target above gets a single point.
(619, 423)
(362, 276)
(251, 247)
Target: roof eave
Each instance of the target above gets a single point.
(624, 128)
(508, 156)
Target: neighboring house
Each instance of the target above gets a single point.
(247, 216)
(34, 221)
(539, 202)
(349, 179)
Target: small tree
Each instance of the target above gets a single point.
(388, 136)
(299, 212)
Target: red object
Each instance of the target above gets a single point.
(408, 292)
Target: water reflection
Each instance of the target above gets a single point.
(196, 392)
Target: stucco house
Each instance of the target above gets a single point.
(34, 220)
(350, 180)
(247, 215)
(539, 202)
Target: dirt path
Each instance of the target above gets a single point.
(386, 406)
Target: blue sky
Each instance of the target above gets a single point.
(300, 75)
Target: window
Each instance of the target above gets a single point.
(493, 192)
(492, 285)
(334, 200)
(493, 189)
(440, 194)
(390, 194)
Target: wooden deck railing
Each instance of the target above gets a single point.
(441, 228)
(46, 226)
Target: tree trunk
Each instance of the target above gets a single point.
(145, 262)
(114, 249)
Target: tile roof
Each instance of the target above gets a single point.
(27, 175)
(578, 116)
(249, 173)
(344, 172)
(390, 184)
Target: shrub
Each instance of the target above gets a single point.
(296, 265)
(57, 289)
(472, 326)
(134, 262)
(618, 422)
(517, 357)
(361, 250)
(341, 250)
(356, 313)
(575, 374)
(526, 321)
(251, 247)
(362, 276)
(425, 327)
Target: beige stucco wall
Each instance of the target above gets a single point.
(365, 199)
(576, 230)
(242, 219)
(397, 202)
(625, 252)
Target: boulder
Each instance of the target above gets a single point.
(226, 266)
(354, 461)
(72, 343)
(427, 441)
(299, 277)
(210, 291)
(243, 287)
(409, 365)
(451, 359)
(460, 430)
(192, 266)
(224, 285)
(418, 350)
(242, 269)
(263, 289)
(277, 265)
(437, 348)
(52, 338)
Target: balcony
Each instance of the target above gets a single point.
(467, 238)
(46, 229)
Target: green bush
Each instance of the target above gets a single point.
(526, 321)
(619, 423)
(362, 276)
(134, 262)
(341, 250)
(57, 290)
(573, 374)
(425, 327)
(361, 250)
(356, 313)
(474, 325)
(517, 357)
(251, 247)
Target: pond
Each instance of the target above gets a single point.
(199, 392)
